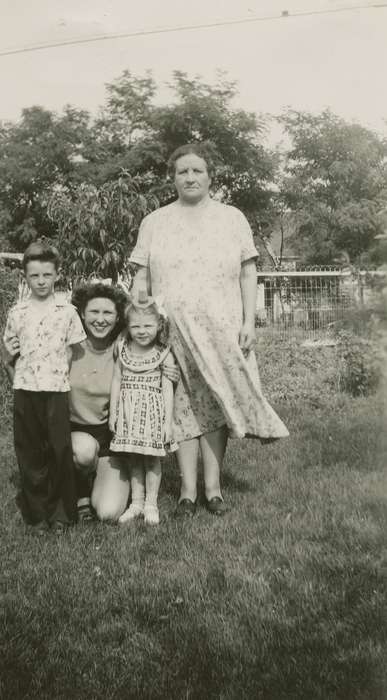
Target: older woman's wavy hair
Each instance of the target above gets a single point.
(205, 150)
(92, 290)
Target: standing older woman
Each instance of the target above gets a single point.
(199, 254)
(101, 308)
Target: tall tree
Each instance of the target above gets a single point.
(334, 181)
(140, 135)
(38, 152)
(46, 153)
(136, 135)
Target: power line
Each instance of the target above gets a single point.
(183, 28)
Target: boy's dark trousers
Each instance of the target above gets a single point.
(43, 449)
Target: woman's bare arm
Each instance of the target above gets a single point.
(248, 283)
(9, 367)
(114, 395)
(141, 280)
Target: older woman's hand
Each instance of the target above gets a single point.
(247, 337)
(171, 372)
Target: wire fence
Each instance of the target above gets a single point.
(309, 303)
(302, 303)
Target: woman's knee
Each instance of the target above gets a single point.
(110, 501)
(108, 510)
(110, 493)
(104, 513)
(85, 450)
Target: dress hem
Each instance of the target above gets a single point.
(133, 449)
(265, 440)
(199, 434)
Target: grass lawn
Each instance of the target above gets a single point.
(285, 597)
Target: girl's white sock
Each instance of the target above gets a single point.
(134, 511)
(151, 515)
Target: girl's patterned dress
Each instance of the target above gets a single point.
(140, 411)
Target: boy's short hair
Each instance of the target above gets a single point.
(41, 250)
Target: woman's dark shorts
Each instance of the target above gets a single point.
(100, 433)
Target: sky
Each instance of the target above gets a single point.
(335, 60)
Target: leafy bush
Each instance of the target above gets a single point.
(314, 374)
(361, 341)
(97, 227)
(292, 373)
(9, 284)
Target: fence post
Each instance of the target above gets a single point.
(260, 310)
(350, 285)
(361, 287)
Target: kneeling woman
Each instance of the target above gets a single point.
(102, 479)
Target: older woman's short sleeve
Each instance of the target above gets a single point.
(245, 236)
(141, 251)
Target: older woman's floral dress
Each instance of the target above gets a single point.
(195, 255)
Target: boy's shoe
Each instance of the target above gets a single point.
(39, 529)
(58, 527)
(134, 511)
(151, 514)
(85, 514)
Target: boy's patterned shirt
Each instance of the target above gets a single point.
(44, 338)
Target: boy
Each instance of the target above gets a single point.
(38, 338)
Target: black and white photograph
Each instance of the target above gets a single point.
(193, 312)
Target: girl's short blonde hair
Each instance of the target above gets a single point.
(151, 309)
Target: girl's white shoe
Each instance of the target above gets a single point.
(134, 511)
(151, 514)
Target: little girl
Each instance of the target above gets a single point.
(141, 404)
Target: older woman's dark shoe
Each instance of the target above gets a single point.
(185, 508)
(216, 506)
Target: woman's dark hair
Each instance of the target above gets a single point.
(86, 292)
(204, 150)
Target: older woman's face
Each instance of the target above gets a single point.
(100, 317)
(191, 178)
